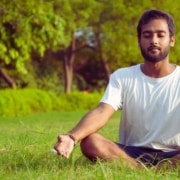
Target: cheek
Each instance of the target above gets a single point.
(143, 44)
(166, 41)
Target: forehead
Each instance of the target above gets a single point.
(156, 25)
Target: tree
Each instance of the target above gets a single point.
(76, 14)
(112, 26)
(27, 28)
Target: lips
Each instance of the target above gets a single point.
(154, 48)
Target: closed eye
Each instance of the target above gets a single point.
(147, 35)
(159, 34)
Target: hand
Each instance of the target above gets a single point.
(64, 145)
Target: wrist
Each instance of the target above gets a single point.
(72, 137)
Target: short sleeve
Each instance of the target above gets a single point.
(113, 93)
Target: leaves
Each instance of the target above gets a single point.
(25, 28)
(31, 26)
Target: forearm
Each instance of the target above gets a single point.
(92, 121)
(89, 124)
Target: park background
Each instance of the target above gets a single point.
(56, 57)
(54, 48)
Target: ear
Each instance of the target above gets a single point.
(172, 41)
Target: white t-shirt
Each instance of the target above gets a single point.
(150, 107)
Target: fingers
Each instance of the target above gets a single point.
(59, 138)
(58, 144)
(64, 154)
(60, 152)
(64, 146)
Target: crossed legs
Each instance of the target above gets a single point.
(96, 146)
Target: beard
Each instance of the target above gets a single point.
(154, 58)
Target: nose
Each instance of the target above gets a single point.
(154, 40)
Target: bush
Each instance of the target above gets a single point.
(27, 101)
(80, 100)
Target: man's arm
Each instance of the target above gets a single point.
(90, 123)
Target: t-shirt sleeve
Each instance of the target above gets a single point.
(113, 93)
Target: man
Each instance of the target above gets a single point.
(148, 95)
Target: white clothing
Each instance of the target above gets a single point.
(150, 107)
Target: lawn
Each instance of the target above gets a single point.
(25, 144)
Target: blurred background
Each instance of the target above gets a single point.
(66, 46)
(71, 45)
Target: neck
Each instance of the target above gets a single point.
(158, 69)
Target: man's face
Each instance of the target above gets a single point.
(155, 40)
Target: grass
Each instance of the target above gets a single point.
(25, 144)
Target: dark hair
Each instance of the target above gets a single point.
(156, 14)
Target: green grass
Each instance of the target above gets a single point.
(25, 144)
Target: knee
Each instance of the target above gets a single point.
(89, 146)
(88, 141)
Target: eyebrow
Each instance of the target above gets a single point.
(157, 31)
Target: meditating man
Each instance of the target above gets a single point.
(148, 95)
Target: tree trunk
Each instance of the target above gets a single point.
(69, 56)
(104, 63)
(68, 67)
(106, 70)
(7, 78)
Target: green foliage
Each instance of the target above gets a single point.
(81, 100)
(16, 102)
(114, 25)
(27, 27)
(48, 74)
(28, 101)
